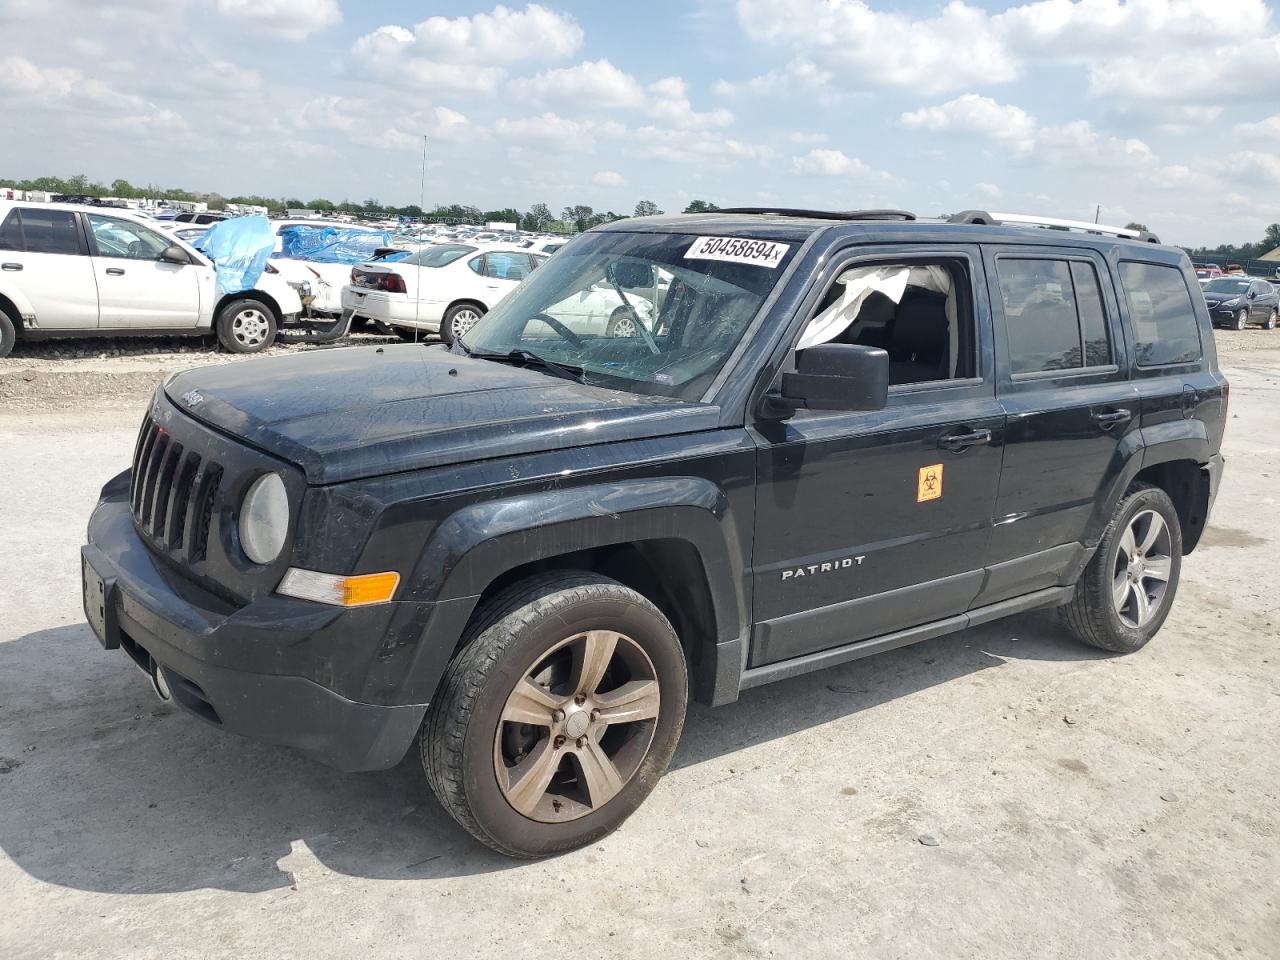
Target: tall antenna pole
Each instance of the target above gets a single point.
(1097, 214)
(422, 203)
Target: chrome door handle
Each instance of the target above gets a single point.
(114, 272)
(1112, 418)
(10, 267)
(959, 442)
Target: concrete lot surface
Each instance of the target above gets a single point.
(1000, 793)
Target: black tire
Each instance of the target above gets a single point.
(510, 634)
(1091, 616)
(458, 309)
(8, 334)
(1241, 320)
(246, 326)
(622, 323)
(1270, 322)
(410, 334)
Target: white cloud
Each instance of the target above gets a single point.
(550, 132)
(987, 189)
(466, 53)
(974, 115)
(609, 178)
(291, 19)
(595, 83)
(1264, 131)
(69, 89)
(1192, 50)
(829, 163)
(872, 48)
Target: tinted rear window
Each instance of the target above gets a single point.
(11, 232)
(1164, 320)
(50, 231)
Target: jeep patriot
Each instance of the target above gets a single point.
(818, 437)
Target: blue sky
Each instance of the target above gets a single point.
(1162, 111)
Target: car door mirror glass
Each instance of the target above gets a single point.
(838, 376)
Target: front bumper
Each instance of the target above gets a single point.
(237, 668)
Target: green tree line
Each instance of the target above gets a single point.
(572, 219)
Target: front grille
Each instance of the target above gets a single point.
(172, 493)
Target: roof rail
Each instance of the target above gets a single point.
(825, 214)
(1081, 225)
(982, 218)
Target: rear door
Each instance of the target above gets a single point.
(1072, 412)
(44, 253)
(135, 287)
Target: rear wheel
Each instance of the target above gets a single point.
(1126, 592)
(409, 334)
(8, 334)
(459, 320)
(1242, 318)
(1272, 318)
(246, 326)
(559, 716)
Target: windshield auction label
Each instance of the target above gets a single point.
(761, 253)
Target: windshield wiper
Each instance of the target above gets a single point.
(530, 359)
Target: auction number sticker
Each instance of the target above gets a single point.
(762, 253)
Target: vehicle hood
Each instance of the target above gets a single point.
(355, 412)
(1217, 296)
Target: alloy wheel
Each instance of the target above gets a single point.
(577, 726)
(1140, 577)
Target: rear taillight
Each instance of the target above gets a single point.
(355, 274)
(270, 269)
(394, 283)
(314, 273)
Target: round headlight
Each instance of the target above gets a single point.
(264, 519)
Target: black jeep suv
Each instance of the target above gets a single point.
(809, 438)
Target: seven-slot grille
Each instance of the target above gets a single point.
(172, 493)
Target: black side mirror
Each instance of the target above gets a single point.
(838, 376)
(629, 274)
(174, 254)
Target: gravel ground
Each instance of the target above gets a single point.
(61, 374)
(1000, 793)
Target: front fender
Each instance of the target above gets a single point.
(479, 543)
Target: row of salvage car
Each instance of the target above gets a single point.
(71, 270)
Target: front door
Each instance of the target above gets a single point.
(135, 287)
(867, 523)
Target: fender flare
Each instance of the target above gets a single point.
(1138, 450)
(479, 543)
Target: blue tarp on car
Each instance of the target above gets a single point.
(239, 249)
(332, 245)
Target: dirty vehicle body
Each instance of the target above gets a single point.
(839, 435)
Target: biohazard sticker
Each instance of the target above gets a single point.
(929, 486)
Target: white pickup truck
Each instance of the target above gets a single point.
(68, 270)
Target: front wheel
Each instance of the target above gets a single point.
(246, 326)
(557, 719)
(459, 320)
(1126, 591)
(1242, 318)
